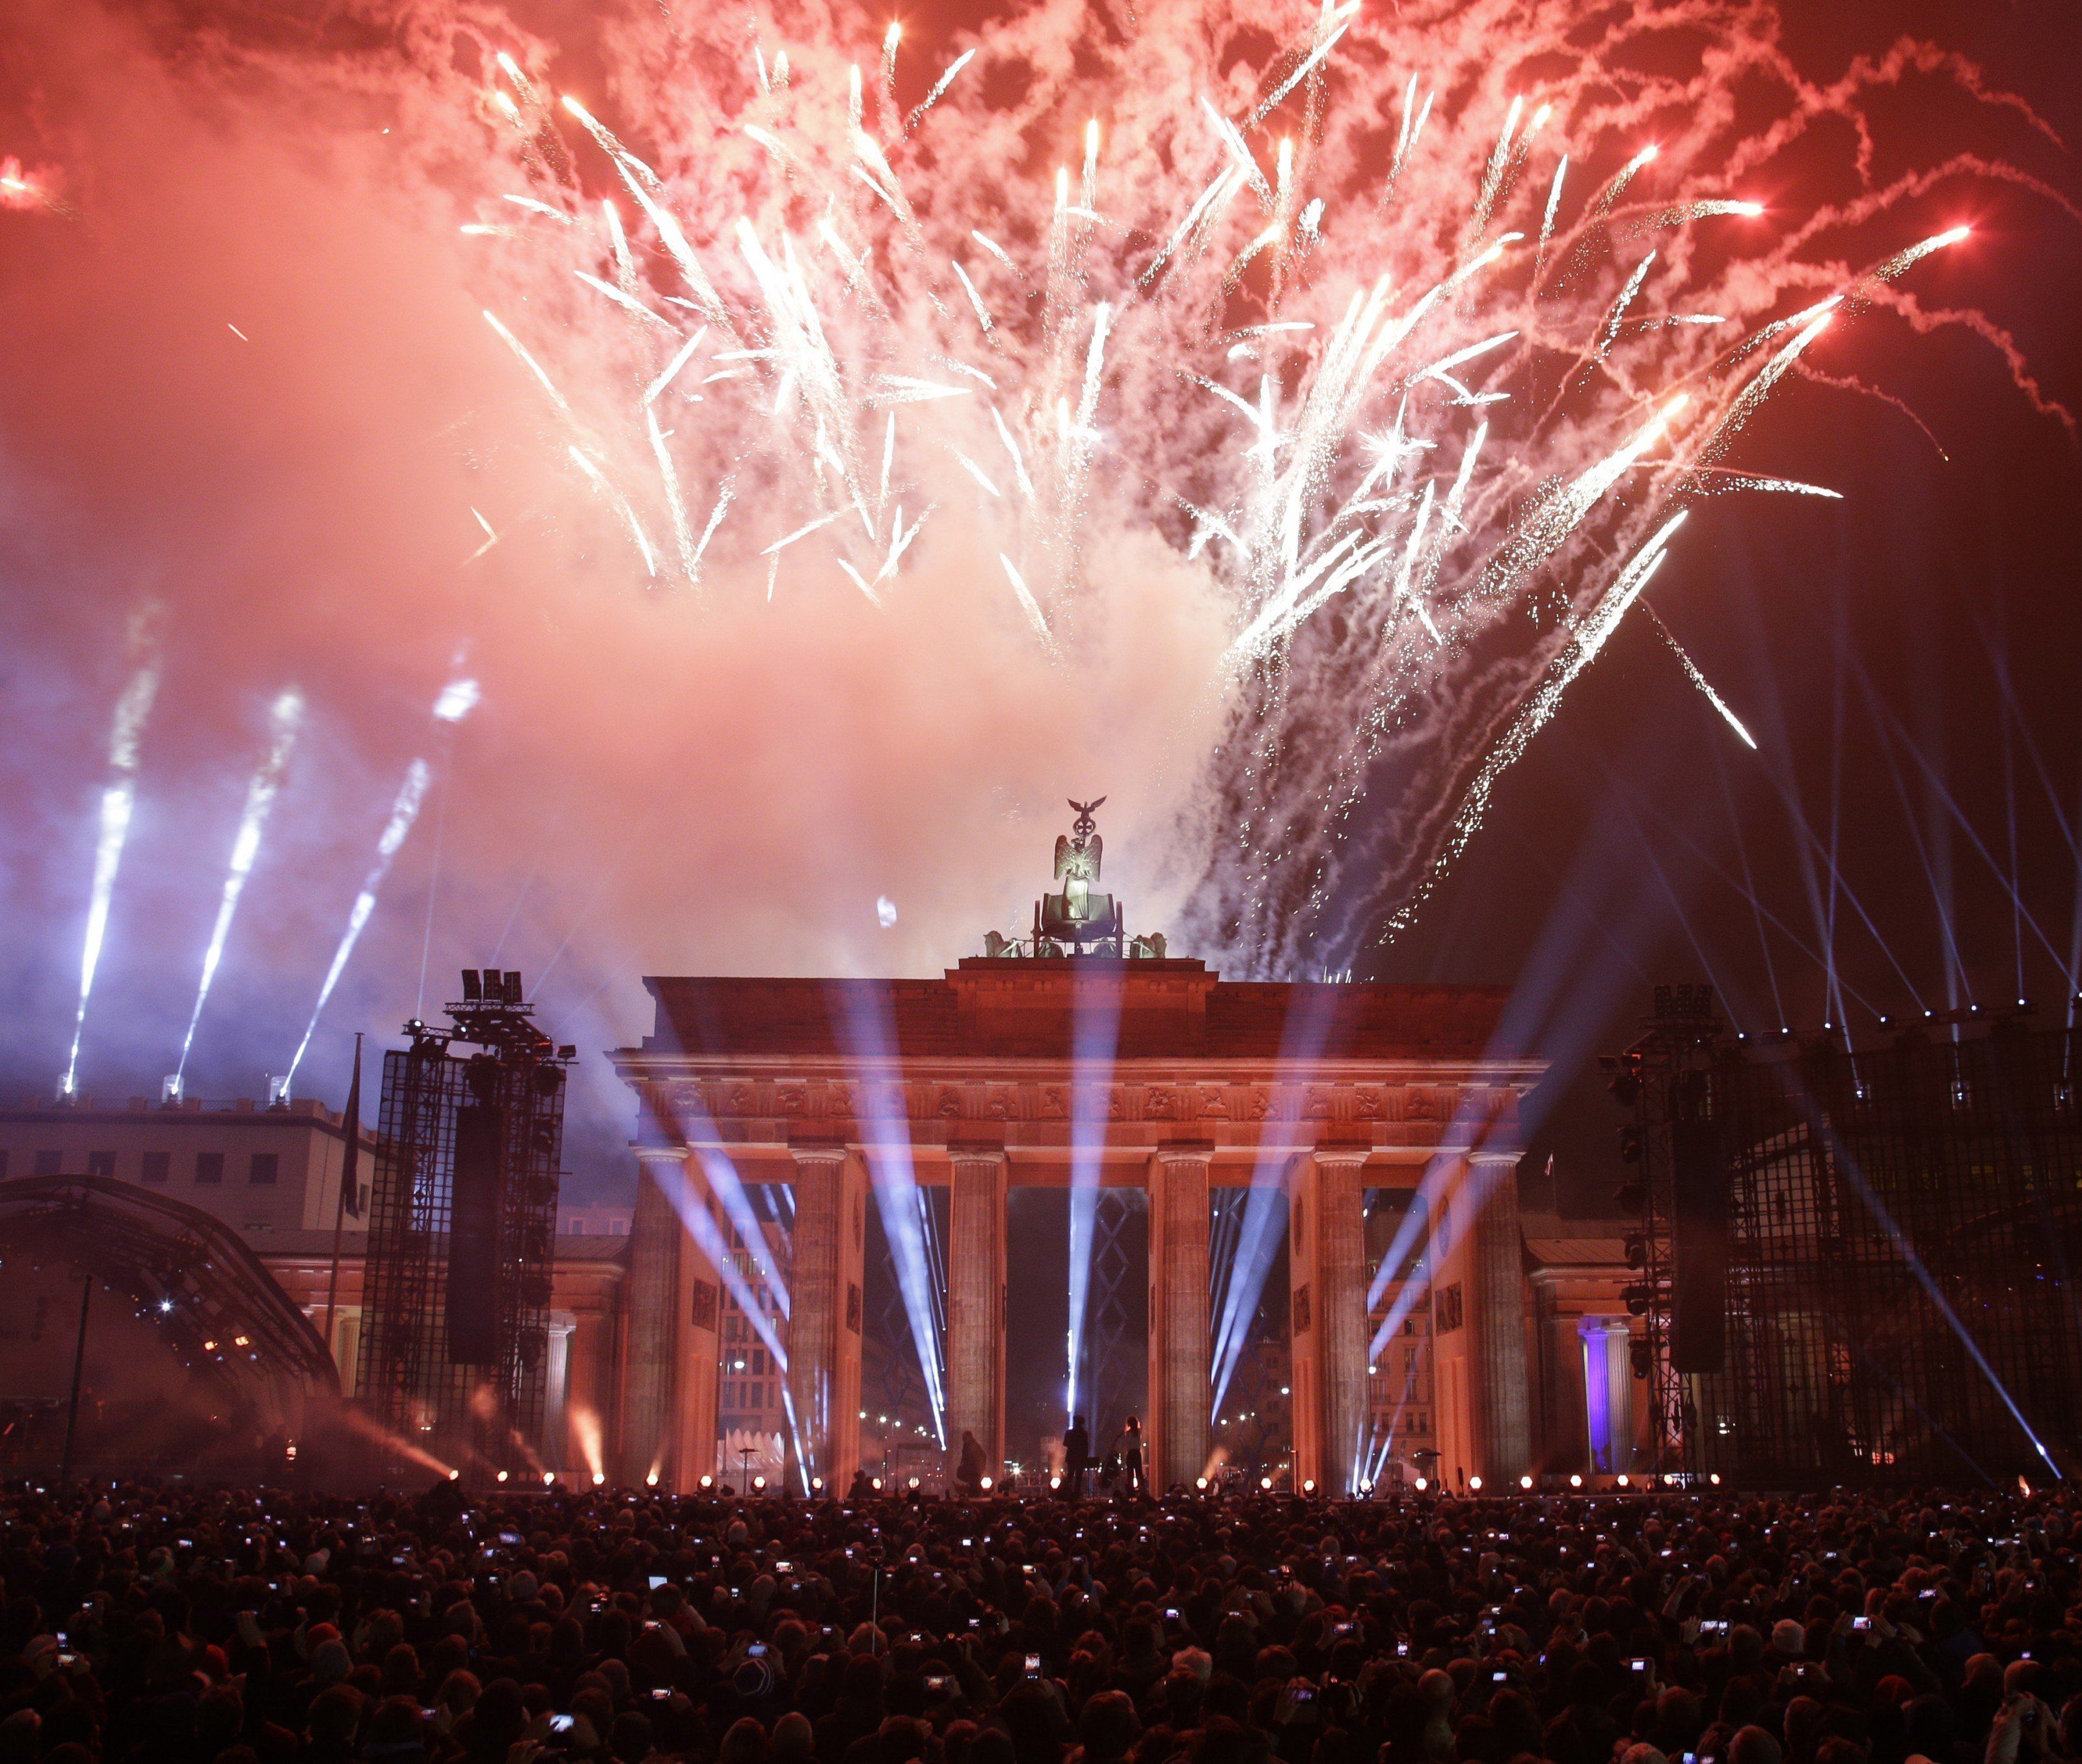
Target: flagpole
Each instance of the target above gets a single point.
(350, 1171)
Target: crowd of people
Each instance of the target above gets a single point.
(268, 1627)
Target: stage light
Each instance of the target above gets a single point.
(1055, 1481)
(1575, 1481)
(550, 1479)
(650, 1481)
(1622, 1479)
(473, 992)
(707, 1482)
(759, 1485)
(985, 1485)
(598, 1478)
(1265, 1483)
(1308, 1488)
(817, 1485)
(875, 1483)
(1714, 1478)
(1422, 1485)
(1525, 1481)
(455, 1475)
(914, 1483)
(1474, 1485)
(1200, 1483)
(502, 1475)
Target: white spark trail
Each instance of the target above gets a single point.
(284, 720)
(119, 802)
(404, 812)
(672, 370)
(1698, 680)
(1028, 604)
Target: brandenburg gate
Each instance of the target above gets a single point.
(971, 1081)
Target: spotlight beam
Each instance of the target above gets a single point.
(867, 1029)
(1094, 1038)
(1301, 1041)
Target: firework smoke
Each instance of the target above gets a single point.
(1249, 412)
(119, 800)
(1403, 413)
(284, 720)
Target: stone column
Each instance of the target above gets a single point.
(1607, 1392)
(1176, 1431)
(824, 1317)
(1326, 1252)
(696, 1318)
(556, 1440)
(1495, 1302)
(976, 1303)
(648, 1386)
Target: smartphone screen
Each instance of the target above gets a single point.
(1033, 1665)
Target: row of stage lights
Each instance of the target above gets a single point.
(1646, 1483)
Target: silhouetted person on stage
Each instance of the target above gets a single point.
(972, 1473)
(1076, 1458)
(1131, 1457)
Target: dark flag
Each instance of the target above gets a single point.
(349, 1169)
(350, 1193)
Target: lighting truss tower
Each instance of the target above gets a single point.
(462, 1235)
(1902, 1293)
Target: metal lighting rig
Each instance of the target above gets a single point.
(463, 1236)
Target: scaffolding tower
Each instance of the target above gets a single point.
(462, 1238)
(1903, 1243)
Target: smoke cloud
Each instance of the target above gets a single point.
(242, 294)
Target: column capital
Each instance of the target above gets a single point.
(818, 1151)
(1492, 1152)
(1341, 1157)
(1181, 1151)
(1587, 1326)
(974, 1152)
(660, 1155)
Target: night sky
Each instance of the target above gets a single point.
(295, 493)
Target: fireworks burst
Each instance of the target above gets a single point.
(1415, 398)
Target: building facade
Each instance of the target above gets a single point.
(273, 1173)
(1430, 1326)
(971, 1083)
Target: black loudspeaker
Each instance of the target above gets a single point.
(473, 1209)
(1699, 1235)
